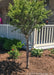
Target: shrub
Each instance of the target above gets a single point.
(14, 53)
(15, 41)
(37, 52)
(2, 41)
(18, 45)
(9, 43)
(6, 43)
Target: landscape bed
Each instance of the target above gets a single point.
(37, 65)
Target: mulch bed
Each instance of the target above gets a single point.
(37, 65)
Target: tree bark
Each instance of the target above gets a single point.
(27, 53)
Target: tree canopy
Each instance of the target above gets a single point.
(28, 14)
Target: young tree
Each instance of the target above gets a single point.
(27, 15)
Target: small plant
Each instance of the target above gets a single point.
(14, 54)
(37, 52)
(14, 47)
(51, 50)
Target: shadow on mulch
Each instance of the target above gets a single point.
(2, 51)
(8, 67)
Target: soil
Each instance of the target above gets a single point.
(37, 65)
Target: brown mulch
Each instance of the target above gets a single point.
(37, 65)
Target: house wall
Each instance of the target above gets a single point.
(51, 4)
(3, 15)
(4, 9)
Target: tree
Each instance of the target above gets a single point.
(27, 15)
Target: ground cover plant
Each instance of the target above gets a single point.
(51, 51)
(14, 53)
(37, 52)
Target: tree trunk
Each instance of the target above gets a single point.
(27, 53)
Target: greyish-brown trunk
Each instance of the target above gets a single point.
(27, 53)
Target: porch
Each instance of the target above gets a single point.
(44, 38)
